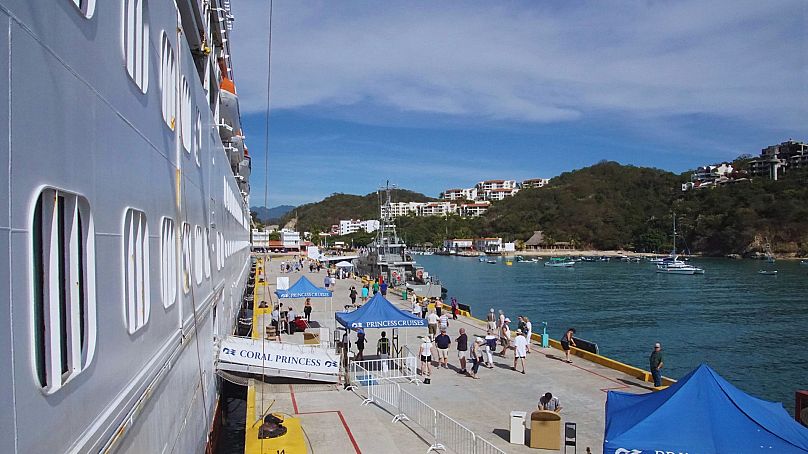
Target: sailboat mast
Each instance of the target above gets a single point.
(673, 254)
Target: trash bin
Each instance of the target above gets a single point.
(404, 294)
(518, 427)
(545, 430)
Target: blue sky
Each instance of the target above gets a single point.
(433, 95)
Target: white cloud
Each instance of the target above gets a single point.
(530, 62)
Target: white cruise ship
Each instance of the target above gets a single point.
(124, 228)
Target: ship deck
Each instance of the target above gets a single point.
(335, 421)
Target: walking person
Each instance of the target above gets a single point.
(505, 336)
(327, 281)
(529, 333)
(656, 364)
(352, 295)
(454, 308)
(520, 349)
(290, 320)
(383, 350)
(462, 350)
(360, 344)
(442, 342)
(375, 287)
(500, 320)
(432, 323)
(425, 352)
(491, 320)
(476, 356)
(365, 291)
(490, 347)
(438, 307)
(307, 309)
(416, 308)
(443, 322)
(424, 306)
(383, 288)
(566, 342)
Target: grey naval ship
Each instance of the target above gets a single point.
(124, 225)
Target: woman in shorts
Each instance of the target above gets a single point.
(425, 352)
(566, 342)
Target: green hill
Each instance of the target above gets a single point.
(319, 216)
(613, 206)
(605, 206)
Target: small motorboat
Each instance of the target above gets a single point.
(491, 261)
(560, 263)
(768, 272)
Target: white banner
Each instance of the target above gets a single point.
(276, 355)
(282, 282)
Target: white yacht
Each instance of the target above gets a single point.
(124, 222)
(672, 264)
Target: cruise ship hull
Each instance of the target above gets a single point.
(125, 245)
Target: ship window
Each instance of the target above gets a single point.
(168, 82)
(198, 255)
(198, 137)
(186, 257)
(136, 42)
(137, 285)
(63, 283)
(206, 252)
(168, 263)
(87, 7)
(219, 251)
(185, 112)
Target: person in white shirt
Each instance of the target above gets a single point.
(520, 345)
(529, 333)
(549, 403)
(416, 308)
(425, 352)
(432, 322)
(443, 322)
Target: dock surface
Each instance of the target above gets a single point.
(335, 421)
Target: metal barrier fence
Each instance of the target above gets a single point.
(453, 435)
(483, 446)
(405, 368)
(445, 432)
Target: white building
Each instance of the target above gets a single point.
(398, 209)
(438, 209)
(290, 239)
(460, 194)
(488, 185)
(472, 210)
(260, 238)
(458, 245)
(535, 183)
(488, 245)
(498, 194)
(347, 227)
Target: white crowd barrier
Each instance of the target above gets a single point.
(404, 368)
(445, 432)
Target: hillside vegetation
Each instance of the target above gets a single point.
(320, 216)
(614, 206)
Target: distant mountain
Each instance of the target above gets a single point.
(266, 215)
(318, 217)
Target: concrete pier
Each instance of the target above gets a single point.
(335, 421)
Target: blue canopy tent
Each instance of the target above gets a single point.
(303, 288)
(700, 414)
(379, 313)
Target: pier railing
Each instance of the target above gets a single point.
(444, 432)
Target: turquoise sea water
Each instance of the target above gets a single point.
(750, 328)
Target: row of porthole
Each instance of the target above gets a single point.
(63, 278)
